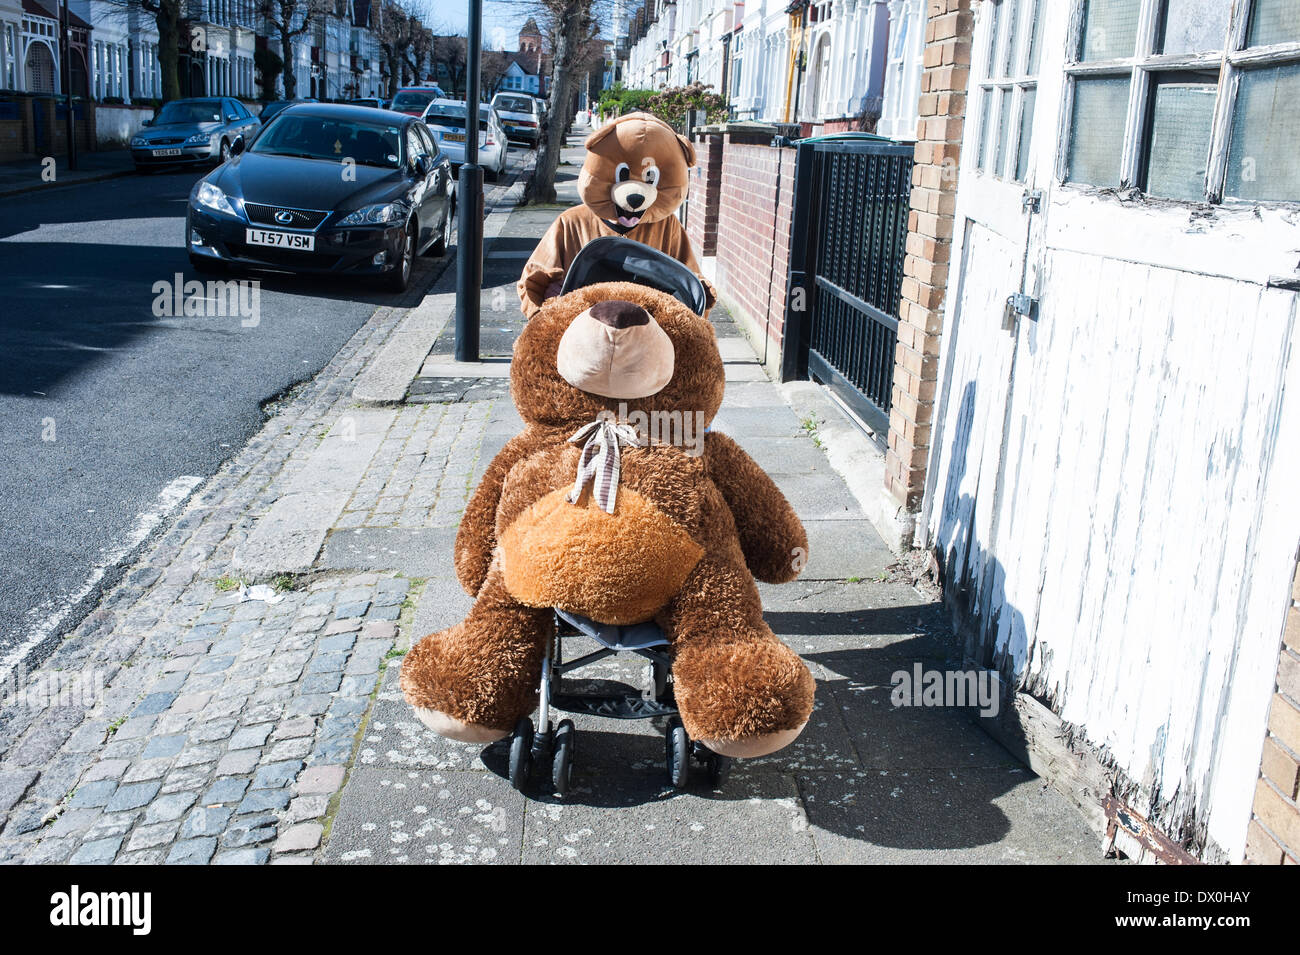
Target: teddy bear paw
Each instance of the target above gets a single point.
(750, 747)
(452, 728)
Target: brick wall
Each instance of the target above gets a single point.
(753, 244)
(929, 244)
(1274, 835)
(706, 181)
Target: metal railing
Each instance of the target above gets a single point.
(848, 239)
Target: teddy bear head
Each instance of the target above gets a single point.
(636, 170)
(616, 348)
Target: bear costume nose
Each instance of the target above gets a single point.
(615, 349)
(634, 201)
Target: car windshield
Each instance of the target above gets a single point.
(190, 111)
(414, 99)
(313, 137)
(515, 104)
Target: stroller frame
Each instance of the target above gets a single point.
(528, 746)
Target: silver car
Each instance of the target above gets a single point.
(198, 130)
(521, 115)
(446, 117)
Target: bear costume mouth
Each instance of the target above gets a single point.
(626, 217)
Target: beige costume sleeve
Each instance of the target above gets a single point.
(545, 266)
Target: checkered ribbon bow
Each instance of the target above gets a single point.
(599, 462)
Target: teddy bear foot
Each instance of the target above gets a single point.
(452, 728)
(753, 746)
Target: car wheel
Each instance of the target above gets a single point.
(225, 151)
(397, 279)
(440, 245)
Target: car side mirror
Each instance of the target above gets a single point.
(423, 166)
(231, 117)
(147, 122)
(237, 146)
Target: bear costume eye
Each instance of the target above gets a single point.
(622, 173)
(651, 175)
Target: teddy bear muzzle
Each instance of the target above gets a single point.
(615, 349)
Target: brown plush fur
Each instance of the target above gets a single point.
(639, 140)
(687, 538)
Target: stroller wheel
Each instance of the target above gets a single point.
(678, 746)
(562, 763)
(719, 768)
(521, 753)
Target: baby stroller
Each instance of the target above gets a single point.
(613, 259)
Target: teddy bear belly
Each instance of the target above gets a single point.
(615, 568)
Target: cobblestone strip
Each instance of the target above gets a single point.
(186, 725)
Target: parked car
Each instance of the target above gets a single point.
(412, 100)
(446, 117)
(521, 115)
(270, 109)
(192, 131)
(371, 101)
(282, 204)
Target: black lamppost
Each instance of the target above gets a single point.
(65, 44)
(469, 252)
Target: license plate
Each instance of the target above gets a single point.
(454, 137)
(280, 240)
(166, 152)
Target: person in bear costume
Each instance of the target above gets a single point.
(668, 533)
(634, 177)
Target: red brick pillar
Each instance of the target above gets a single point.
(705, 192)
(929, 246)
(1274, 834)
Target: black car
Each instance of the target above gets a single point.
(343, 190)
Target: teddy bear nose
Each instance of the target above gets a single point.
(617, 314)
(634, 201)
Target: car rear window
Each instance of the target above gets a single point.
(414, 99)
(515, 104)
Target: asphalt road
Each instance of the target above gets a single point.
(110, 413)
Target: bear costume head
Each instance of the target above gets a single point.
(615, 347)
(637, 170)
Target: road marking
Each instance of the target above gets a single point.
(169, 499)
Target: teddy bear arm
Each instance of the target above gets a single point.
(476, 536)
(772, 538)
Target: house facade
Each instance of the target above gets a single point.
(829, 65)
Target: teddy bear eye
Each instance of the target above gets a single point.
(622, 173)
(651, 175)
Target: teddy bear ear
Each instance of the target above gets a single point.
(687, 149)
(601, 133)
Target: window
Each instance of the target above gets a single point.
(1185, 99)
(1010, 88)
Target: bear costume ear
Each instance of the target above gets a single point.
(687, 149)
(599, 134)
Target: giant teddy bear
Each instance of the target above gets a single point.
(635, 175)
(673, 534)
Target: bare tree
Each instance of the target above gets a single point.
(394, 34)
(449, 53)
(169, 17)
(573, 29)
(288, 20)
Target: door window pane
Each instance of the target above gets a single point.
(986, 133)
(1035, 36)
(1194, 26)
(1097, 130)
(1182, 117)
(1026, 132)
(1004, 121)
(1110, 29)
(1274, 21)
(1265, 129)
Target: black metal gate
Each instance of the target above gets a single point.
(847, 244)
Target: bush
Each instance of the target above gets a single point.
(670, 105)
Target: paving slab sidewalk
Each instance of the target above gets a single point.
(219, 728)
